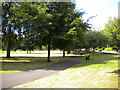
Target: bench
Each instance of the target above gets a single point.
(88, 57)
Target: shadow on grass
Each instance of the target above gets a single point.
(58, 63)
(79, 61)
(97, 58)
(116, 72)
(28, 63)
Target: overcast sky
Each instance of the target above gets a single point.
(102, 8)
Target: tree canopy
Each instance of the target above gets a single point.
(112, 29)
(29, 25)
(96, 39)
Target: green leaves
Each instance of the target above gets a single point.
(112, 29)
(34, 24)
(72, 31)
(96, 39)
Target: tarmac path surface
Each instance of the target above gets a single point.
(17, 78)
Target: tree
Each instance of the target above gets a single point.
(112, 28)
(63, 19)
(56, 33)
(96, 39)
(21, 22)
(32, 17)
(55, 25)
(9, 36)
(72, 28)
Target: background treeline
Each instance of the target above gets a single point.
(55, 25)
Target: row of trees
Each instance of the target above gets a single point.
(96, 39)
(31, 25)
(108, 37)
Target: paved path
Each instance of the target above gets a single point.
(13, 79)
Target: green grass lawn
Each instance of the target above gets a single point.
(17, 64)
(99, 72)
(32, 52)
(13, 52)
(109, 49)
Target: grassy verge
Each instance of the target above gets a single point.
(17, 64)
(99, 72)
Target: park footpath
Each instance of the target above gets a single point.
(18, 78)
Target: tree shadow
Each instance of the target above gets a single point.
(27, 63)
(80, 61)
(116, 72)
(97, 59)
(63, 65)
(74, 62)
(27, 58)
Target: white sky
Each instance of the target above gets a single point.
(102, 8)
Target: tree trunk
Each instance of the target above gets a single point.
(8, 38)
(8, 43)
(8, 52)
(49, 42)
(63, 53)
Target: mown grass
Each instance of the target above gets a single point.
(13, 52)
(17, 64)
(99, 72)
(32, 52)
(109, 49)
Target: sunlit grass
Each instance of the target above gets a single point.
(86, 54)
(99, 72)
(108, 49)
(13, 52)
(14, 61)
(32, 52)
(9, 71)
(17, 64)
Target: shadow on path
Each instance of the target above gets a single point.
(13, 79)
